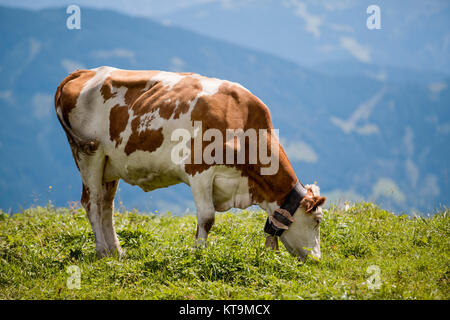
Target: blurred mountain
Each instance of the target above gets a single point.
(360, 130)
(414, 33)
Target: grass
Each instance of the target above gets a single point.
(38, 246)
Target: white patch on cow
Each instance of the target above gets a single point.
(230, 189)
(168, 79)
(210, 86)
(314, 188)
(192, 103)
(87, 114)
(119, 97)
(146, 121)
(102, 70)
(269, 207)
(147, 86)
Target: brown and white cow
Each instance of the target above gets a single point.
(120, 125)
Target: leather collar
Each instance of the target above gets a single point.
(282, 217)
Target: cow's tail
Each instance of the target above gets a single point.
(79, 143)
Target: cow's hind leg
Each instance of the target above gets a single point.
(91, 170)
(109, 191)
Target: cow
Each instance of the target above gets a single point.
(120, 124)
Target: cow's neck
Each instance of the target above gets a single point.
(270, 191)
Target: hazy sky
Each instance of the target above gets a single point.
(329, 23)
(135, 7)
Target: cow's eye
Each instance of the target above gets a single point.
(318, 216)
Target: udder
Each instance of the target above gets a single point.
(230, 191)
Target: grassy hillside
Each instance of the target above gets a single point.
(38, 245)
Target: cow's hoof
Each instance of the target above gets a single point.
(105, 253)
(199, 245)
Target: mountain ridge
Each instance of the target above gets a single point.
(302, 101)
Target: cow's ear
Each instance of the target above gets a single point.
(307, 203)
(319, 201)
(311, 203)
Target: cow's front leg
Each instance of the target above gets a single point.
(205, 221)
(203, 198)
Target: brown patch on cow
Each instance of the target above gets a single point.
(310, 203)
(134, 80)
(147, 140)
(185, 91)
(85, 199)
(106, 90)
(207, 225)
(168, 103)
(66, 98)
(69, 90)
(118, 120)
(109, 192)
(235, 108)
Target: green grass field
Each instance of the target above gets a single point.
(410, 256)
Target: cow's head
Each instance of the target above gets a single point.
(302, 238)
